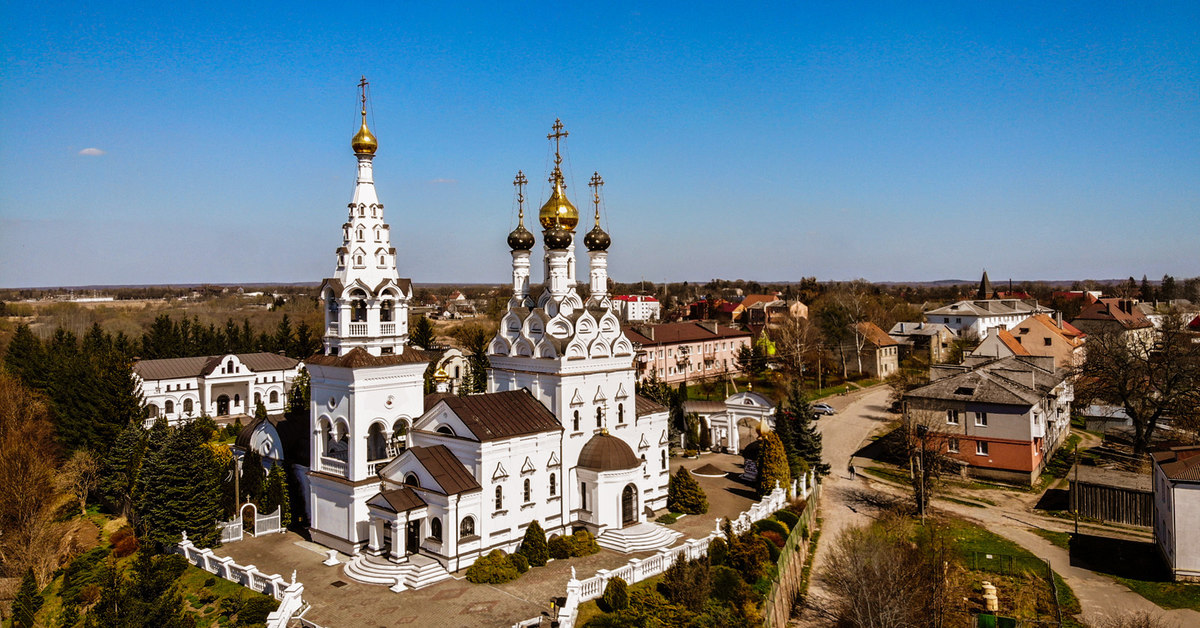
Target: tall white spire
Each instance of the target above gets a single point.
(366, 301)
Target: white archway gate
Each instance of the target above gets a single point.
(234, 529)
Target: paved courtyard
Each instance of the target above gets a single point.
(336, 601)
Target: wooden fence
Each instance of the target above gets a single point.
(777, 609)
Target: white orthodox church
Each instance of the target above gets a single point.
(414, 486)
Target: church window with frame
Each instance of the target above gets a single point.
(467, 527)
(187, 406)
(620, 413)
(583, 496)
(553, 484)
(274, 396)
(435, 529)
(169, 407)
(664, 459)
(499, 498)
(599, 417)
(527, 492)
(257, 399)
(575, 421)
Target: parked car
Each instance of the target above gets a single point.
(822, 408)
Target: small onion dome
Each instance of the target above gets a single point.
(597, 239)
(364, 143)
(557, 238)
(605, 452)
(440, 376)
(520, 239)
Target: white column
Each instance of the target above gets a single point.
(599, 274)
(520, 276)
(373, 536)
(557, 282)
(397, 540)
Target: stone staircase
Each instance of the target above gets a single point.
(643, 537)
(415, 573)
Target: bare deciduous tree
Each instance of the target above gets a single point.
(79, 476)
(1152, 380)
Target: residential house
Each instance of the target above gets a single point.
(677, 352)
(977, 316)
(929, 341)
(748, 302)
(1177, 509)
(1037, 335)
(999, 418)
(878, 355)
(636, 308)
(1115, 316)
(763, 314)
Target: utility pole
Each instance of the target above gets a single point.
(237, 492)
(922, 430)
(1075, 491)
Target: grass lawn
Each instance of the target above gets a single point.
(1061, 539)
(1165, 594)
(591, 609)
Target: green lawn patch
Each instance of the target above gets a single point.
(890, 475)
(1060, 539)
(591, 609)
(1165, 594)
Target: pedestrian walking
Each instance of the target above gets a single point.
(851, 467)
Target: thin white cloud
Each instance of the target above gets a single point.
(444, 181)
(91, 152)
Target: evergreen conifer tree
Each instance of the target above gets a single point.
(772, 464)
(181, 490)
(28, 602)
(685, 495)
(26, 358)
(276, 495)
(534, 547)
(806, 440)
(420, 332)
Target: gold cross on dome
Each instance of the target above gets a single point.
(558, 134)
(596, 183)
(520, 182)
(362, 86)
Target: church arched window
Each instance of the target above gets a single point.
(169, 407)
(599, 417)
(274, 396)
(664, 459)
(332, 306)
(435, 529)
(358, 311)
(385, 312)
(467, 528)
(527, 493)
(620, 413)
(376, 443)
(360, 234)
(553, 484)
(237, 400)
(257, 399)
(358, 261)
(187, 406)
(229, 366)
(411, 480)
(153, 411)
(499, 498)
(445, 429)
(575, 422)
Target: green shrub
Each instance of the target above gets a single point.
(124, 542)
(254, 612)
(667, 519)
(533, 546)
(772, 464)
(749, 555)
(495, 568)
(772, 525)
(616, 594)
(583, 544)
(718, 551)
(560, 547)
(787, 517)
(774, 544)
(520, 562)
(685, 495)
(797, 506)
(690, 453)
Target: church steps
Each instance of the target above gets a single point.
(417, 572)
(643, 537)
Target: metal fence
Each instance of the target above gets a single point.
(1010, 565)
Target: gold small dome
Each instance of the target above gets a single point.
(364, 143)
(558, 210)
(440, 375)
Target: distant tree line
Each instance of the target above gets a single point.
(169, 338)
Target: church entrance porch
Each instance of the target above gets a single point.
(223, 405)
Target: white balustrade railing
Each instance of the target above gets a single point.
(333, 465)
(637, 570)
(290, 594)
(358, 329)
(387, 329)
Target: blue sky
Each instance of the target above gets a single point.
(893, 141)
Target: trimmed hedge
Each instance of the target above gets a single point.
(495, 568)
(533, 546)
(771, 525)
(788, 517)
(616, 594)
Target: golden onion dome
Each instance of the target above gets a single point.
(558, 211)
(364, 143)
(440, 375)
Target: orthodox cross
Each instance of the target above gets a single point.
(362, 86)
(596, 183)
(558, 134)
(520, 182)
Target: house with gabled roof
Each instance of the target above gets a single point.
(1115, 316)
(871, 347)
(219, 386)
(1177, 510)
(999, 418)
